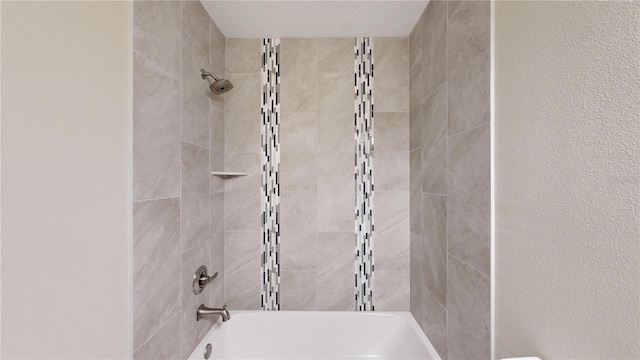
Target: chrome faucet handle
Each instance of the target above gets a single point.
(201, 279)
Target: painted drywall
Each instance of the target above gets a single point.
(66, 194)
(257, 19)
(567, 160)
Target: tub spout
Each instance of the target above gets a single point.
(204, 311)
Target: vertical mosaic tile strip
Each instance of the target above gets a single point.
(270, 198)
(363, 117)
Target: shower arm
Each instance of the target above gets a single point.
(204, 75)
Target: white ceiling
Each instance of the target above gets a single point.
(307, 18)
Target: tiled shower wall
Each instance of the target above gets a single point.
(317, 174)
(450, 177)
(178, 135)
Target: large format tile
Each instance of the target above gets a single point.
(391, 131)
(242, 115)
(156, 132)
(156, 266)
(217, 47)
(391, 79)
(336, 266)
(298, 243)
(335, 113)
(216, 147)
(195, 195)
(335, 55)
(298, 171)
(242, 270)
(415, 43)
(195, 21)
(163, 345)
(195, 97)
(242, 210)
(391, 171)
(243, 55)
(415, 191)
(336, 192)
(157, 33)
(434, 46)
(415, 277)
(391, 291)
(216, 231)
(415, 108)
(469, 65)
(434, 322)
(299, 132)
(336, 210)
(335, 171)
(469, 312)
(298, 81)
(391, 236)
(192, 330)
(298, 290)
(468, 213)
(435, 245)
(434, 142)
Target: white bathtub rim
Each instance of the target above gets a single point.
(405, 315)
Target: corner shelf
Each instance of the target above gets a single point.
(228, 173)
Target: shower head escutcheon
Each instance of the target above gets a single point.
(219, 86)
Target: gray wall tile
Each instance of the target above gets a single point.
(195, 195)
(469, 312)
(435, 245)
(243, 55)
(391, 79)
(299, 132)
(391, 236)
(195, 93)
(298, 290)
(163, 345)
(468, 212)
(391, 292)
(156, 132)
(298, 84)
(391, 132)
(391, 171)
(156, 266)
(243, 114)
(195, 22)
(434, 322)
(242, 269)
(434, 142)
(298, 171)
(434, 46)
(468, 45)
(335, 113)
(335, 271)
(157, 33)
(298, 243)
(335, 55)
(172, 41)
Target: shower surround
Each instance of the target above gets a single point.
(178, 136)
(450, 177)
(317, 174)
(430, 175)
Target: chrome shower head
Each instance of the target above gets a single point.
(219, 86)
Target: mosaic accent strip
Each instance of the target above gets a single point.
(363, 86)
(270, 199)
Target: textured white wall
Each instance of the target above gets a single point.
(66, 194)
(567, 179)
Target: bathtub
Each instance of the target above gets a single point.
(316, 335)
